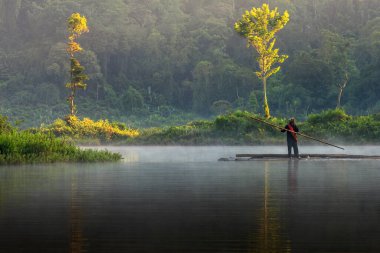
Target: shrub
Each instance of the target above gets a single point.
(329, 116)
(5, 126)
(87, 128)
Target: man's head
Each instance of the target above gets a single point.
(292, 120)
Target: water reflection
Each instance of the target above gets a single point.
(77, 238)
(270, 237)
(292, 175)
(276, 206)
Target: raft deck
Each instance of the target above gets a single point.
(248, 157)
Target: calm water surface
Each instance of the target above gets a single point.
(180, 199)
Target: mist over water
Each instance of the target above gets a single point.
(158, 154)
(181, 199)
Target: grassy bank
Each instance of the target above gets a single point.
(236, 128)
(18, 147)
(336, 125)
(25, 147)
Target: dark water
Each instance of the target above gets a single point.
(182, 200)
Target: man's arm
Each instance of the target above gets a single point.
(283, 130)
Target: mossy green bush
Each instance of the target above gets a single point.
(5, 126)
(337, 125)
(329, 116)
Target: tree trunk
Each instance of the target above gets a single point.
(97, 91)
(339, 97)
(341, 88)
(104, 65)
(72, 106)
(315, 9)
(71, 102)
(266, 107)
(9, 12)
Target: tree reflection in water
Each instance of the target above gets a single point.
(270, 236)
(77, 239)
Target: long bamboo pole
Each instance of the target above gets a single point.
(301, 134)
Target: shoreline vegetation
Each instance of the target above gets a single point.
(58, 142)
(235, 128)
(27, 147)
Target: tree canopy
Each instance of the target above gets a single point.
(260, 26)
(185, 55)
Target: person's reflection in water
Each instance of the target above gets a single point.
(292, 175)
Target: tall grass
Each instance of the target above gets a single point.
(25, 147)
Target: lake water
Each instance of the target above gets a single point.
(181, 199)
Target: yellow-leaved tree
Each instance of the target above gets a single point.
(76, 26)
(259, 26)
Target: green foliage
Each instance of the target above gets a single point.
(78, 129)
(18, 147)
(5, 126)
(335, 51)
(163, 116)
(26, 147)
(221, 106)
(239, 128)
(234, 128)
(193, 133)
(132, 99)
(253, 102)
(32, 146)
(325, 117)
(203, 73)
(242, 123)
(76, 25)
(376, 116)
(336, 124)
(156, 46)
(78, 78)
(260, 26)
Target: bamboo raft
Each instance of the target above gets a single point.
(250, 157)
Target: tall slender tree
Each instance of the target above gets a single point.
(259, 26)
(336, 53)
(76, 26)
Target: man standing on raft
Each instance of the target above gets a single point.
(292, 137)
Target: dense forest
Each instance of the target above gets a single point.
(159, 58)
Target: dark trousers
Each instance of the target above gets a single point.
(292, 144)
